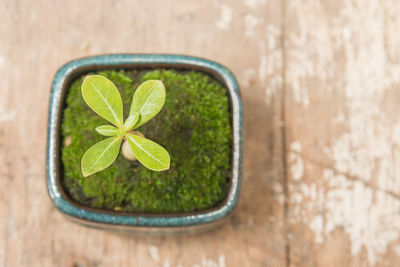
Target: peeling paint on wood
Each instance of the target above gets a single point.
(322, 77)
(340, 75)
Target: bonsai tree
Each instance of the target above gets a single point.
(103, 97)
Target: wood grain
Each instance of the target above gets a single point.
(342, 84)
(40, 36)
(320, 82)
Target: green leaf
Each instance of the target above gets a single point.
(150, 154)
(103, 97)
(131, 121)
(148, 100)
(101, 155)
(107, 130)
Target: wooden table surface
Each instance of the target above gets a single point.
(320, 82)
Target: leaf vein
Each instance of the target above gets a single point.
(133, 140)
(148, 97)
(102, 153)
(105, 101)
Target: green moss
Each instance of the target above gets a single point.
(194, 126)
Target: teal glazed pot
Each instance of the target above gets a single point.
(140, 222)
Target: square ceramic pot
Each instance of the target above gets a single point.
(140, 222)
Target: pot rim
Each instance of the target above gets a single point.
(130, 61)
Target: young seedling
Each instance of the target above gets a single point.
(103, 97)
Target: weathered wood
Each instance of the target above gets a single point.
(321, 183)
(342, 87)
(39, 36)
